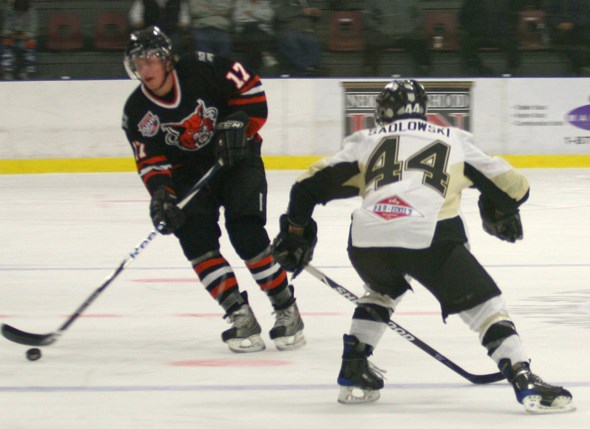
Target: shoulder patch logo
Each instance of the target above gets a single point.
(393, 208)
(149, 125)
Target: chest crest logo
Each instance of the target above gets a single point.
(149, 124)
(194, 131)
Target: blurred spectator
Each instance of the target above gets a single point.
(297, 41)
(394, 24)
(533, 4)
(254, 33)
(3, 7)
(341, 4)
(569, 29)
(19, 55)
(2, 12)
(489, 24)
(171, 16)
(212, 26)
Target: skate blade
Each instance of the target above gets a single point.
(290, 343)
(561, 404)
(355, 395)
(250, 344)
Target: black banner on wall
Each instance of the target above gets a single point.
(449, 104)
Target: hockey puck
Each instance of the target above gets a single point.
(33, 354)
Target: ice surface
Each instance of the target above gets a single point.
(148, 354)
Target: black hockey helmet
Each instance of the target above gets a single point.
(401, 99)
(150, 41)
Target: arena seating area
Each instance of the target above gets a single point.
(94, 51)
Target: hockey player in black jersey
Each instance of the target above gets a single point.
(185, 116)
(410, 175)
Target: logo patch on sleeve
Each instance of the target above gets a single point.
(149, 125)
(393, 208)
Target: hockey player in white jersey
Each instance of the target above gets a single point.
(410, 175)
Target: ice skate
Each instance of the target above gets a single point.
(533, 393)
(244, 335)
(359, 380)
(287, 332)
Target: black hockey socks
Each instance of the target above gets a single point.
(372, 312)
(234, 301)
(272, 279)
(218, 278)
(496, 334)
(283, 298)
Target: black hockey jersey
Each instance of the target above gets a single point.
(171, 137)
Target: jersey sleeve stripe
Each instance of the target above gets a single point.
(253, 91)
(252, 84)
(148, 175)
(254, 125)
(155, 169)
(251, 100)
(151, 161)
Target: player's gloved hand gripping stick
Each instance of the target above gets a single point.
(167, 216)
(30, 339)
(293, 251)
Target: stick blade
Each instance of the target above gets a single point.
(487, 378)
(27, 338)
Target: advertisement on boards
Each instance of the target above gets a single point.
(549, 116)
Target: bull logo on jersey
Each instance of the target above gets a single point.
(194, 131)
(393, 208)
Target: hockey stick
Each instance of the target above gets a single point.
(30, 339)
(474, 378)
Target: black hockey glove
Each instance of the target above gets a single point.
(507, 227)
(230, 139)
(293, 251)
(166, 216)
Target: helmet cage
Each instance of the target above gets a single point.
(401, 99)
(149, 42)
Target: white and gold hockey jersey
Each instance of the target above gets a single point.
(410, 174)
